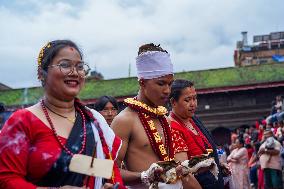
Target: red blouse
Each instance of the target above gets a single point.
(196, 144)
(28, 150)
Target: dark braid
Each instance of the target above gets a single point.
(150, 47)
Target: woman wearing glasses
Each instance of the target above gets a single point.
(37, 143)
(107, 106)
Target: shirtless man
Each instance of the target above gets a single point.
(143, 126)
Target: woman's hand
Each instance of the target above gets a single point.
(73, 187)
(107, 186)
(64, 187)
(110, 186)
(188, 180)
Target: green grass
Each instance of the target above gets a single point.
(233, 76)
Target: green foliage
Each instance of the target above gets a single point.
(114, 87)
(20, 96)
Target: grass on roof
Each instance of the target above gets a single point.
(233, 76)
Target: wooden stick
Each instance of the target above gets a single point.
(92, 162)
(94, 155)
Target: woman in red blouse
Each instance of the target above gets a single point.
(38, 142)
(189, 133)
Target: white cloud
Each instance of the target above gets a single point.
(198, 34)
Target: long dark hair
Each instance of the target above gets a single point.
(103, 100)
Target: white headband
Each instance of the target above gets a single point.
(153, 64)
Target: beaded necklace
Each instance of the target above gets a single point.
(145, 114)
(106, 149)
(57, 136)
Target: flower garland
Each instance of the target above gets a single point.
(153, 112)
(145, 114)
(41, 53)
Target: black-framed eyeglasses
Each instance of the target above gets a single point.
(66, 67)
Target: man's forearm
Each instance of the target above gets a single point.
(129, 177)
(272, 151)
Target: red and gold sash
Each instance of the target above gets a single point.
(146, 113)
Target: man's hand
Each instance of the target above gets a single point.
(260, 152)
(182, 171)
(152, 174)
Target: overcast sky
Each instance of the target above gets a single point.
(199, 34)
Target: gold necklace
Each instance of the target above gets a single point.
(72, 120)
(159, 111)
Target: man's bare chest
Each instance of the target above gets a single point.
(140, 137)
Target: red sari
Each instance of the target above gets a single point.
(187, 141)
(29, 152)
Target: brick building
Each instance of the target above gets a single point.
(265, 49)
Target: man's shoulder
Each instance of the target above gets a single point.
(125, 117)
(127, 113)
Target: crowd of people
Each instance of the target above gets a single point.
(150, 146)
(256, 155)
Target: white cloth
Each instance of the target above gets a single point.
(109, 136)
(153, 64)
(177, 185)
(205, 163)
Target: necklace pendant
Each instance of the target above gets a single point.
(71, 119)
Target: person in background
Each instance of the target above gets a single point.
(279, 103)
(38, 142)
(2, 109)
(108, 107)
(238, 161)
(262, 126)
(279, 133)
(270, 162)
(250, 150)
(254, 133)
(234, 136)
(189, 131)
(253, 165)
